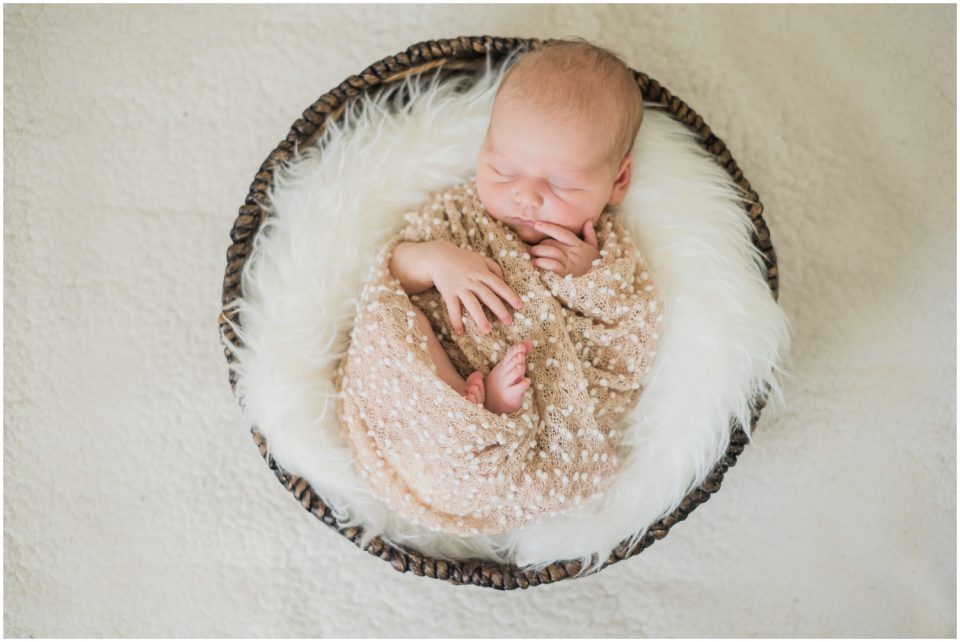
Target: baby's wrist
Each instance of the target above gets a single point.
(430, 254)
(410, 264)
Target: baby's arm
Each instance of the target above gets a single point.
(461, 277)
(409, 265)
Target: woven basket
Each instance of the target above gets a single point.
(467, 56)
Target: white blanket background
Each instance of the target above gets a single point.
(135, 503)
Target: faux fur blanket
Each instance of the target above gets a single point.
(450, 464)
(334, 207)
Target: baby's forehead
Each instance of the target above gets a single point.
(583, 106)
(570, 162)
(526, 139)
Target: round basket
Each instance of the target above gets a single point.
(467, 56)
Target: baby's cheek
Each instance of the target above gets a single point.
(492, 200)
(484, 192)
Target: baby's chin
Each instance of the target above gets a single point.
(526, 234)
(532, 237)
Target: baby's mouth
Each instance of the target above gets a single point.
(521, 221)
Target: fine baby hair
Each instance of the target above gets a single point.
(573, 75)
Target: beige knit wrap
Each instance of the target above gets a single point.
(452, 465)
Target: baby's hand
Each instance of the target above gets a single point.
(565, 253)
(463, 276)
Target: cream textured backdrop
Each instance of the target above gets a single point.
(135, 503)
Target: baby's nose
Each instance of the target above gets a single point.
(527, 196)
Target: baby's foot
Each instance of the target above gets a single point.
(505, 384)
(475, 388)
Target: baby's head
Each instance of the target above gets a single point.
(558, 145)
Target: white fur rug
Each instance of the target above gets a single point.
(724, 337)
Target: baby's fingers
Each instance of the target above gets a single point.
(548, 251)
(494, 266)
(549, 264)
(590, 235)
(493, 302)
(476, 311)
(453, 310)
(505, 291)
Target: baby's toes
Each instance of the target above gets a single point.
(514, 392)
(516, 355)
(476, 391)
(527, 345)
(517, 350)
(516, 373)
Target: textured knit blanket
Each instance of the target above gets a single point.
(451, 465)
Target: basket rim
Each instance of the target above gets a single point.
(450, 55)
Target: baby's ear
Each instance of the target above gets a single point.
(622, 181)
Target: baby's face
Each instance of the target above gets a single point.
(534, 166)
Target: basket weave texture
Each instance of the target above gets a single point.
(467, 55)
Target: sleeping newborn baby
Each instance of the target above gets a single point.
(575, 313)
